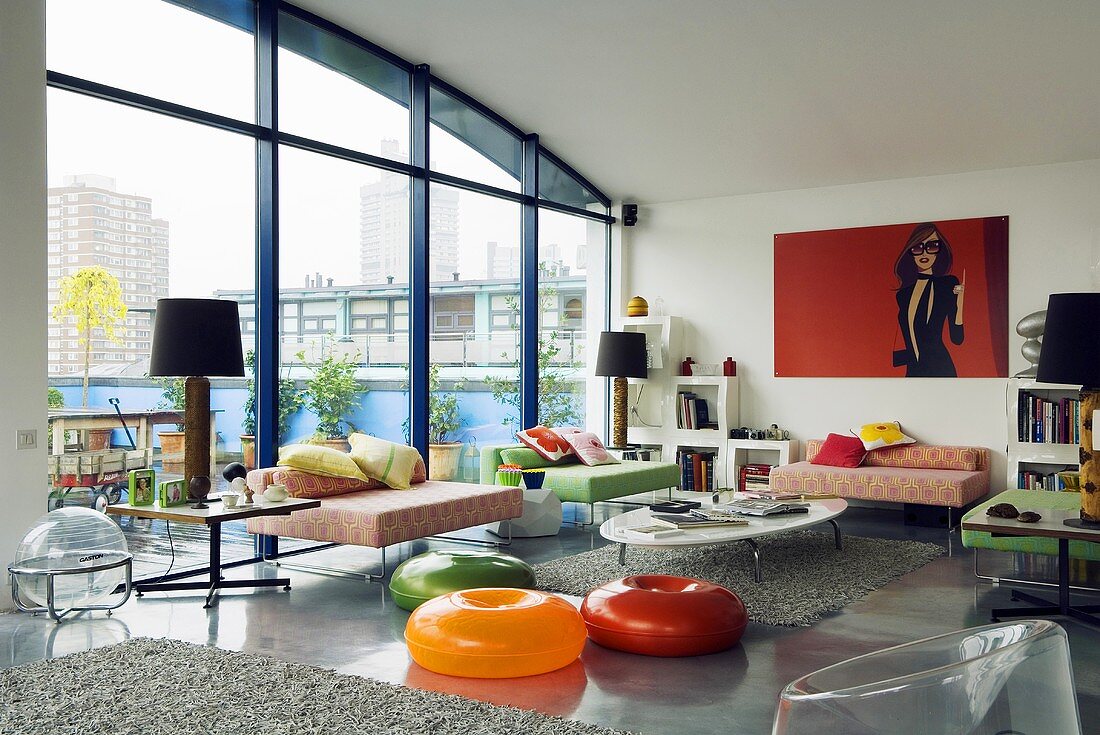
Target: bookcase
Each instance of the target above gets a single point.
(653, 402)
(744, 451)
(1041, 411)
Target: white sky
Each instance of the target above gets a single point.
(202, 179)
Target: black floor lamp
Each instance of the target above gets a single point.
(196, 339)
(621, 355)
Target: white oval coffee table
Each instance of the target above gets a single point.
(821, 511)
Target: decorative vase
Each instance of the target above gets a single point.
(275, 493)
(340, 444)
(509, 478)
(248, 451)
(637, 306)
(443, 460)
(171, 452)
(533, 479)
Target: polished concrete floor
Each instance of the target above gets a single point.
(353, 627)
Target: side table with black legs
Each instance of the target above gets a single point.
(213, 516)
(1051, 526)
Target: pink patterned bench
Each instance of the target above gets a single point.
(381, 517)
(950, 478)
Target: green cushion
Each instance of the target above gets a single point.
(1038, 501)
(529, 459)
(419, 579)
(577, 483)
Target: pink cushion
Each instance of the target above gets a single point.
(590, 449)
(919, 456)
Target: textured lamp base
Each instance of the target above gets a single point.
(1090, 459)
(196, 420)
(618, 421)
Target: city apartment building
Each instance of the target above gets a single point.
(384, 228)
(91, 223)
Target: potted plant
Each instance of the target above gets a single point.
(444, 420)
(290, 400)
(331, 392)
(173, 397)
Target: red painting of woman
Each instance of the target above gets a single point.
(929, 299)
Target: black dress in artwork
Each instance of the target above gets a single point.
(934, 361)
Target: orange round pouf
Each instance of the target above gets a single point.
(495, 633)
(660, 615)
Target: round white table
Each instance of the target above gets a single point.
(821, 511)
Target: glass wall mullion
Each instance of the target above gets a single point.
(529, 287)
(419, 278)
(267, 232)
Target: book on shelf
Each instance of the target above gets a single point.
(1044, 421)
(753, 477)
(693, 412)
(1035, 480)
(697, 469)
(691, 520)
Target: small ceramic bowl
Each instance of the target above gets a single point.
(1072, 480)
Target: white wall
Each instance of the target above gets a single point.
(23, 275)
(711, 261)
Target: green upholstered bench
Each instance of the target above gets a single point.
(578, 483)
(1038, 501)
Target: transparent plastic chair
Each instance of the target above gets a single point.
(1002, 679)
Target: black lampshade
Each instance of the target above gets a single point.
(621, 355)
(1071, 340)
(196, 337)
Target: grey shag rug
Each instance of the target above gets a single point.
(170, 687)
(805, 576)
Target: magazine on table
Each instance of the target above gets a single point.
(692, 520)
(782, 495)
(654, 531)
(762, 507)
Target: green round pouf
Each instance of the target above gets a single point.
(419, 579)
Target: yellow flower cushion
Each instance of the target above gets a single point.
(385, 461)
(319, 460)
(882, 434)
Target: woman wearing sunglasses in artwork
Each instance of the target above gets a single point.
(928, 296)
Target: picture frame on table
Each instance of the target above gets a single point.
(172, 493)
(141, 488)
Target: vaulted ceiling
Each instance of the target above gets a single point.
(662, 100)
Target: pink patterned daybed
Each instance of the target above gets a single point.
(947, 478)
(378, 516)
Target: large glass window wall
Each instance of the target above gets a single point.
(338, 238)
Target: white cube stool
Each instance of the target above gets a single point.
(541, 516)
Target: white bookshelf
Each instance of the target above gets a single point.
(1045, 457)
(653, 401)
(744, 451)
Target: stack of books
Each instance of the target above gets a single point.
(753, 477)
(692, 412)
(1049, 422)
(696, 470)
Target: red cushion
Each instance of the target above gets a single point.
(841, 451)
(547, 442)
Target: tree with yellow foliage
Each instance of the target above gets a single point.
(94, 297)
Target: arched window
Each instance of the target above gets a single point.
(366, 233)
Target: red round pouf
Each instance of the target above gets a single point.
(661, 615)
